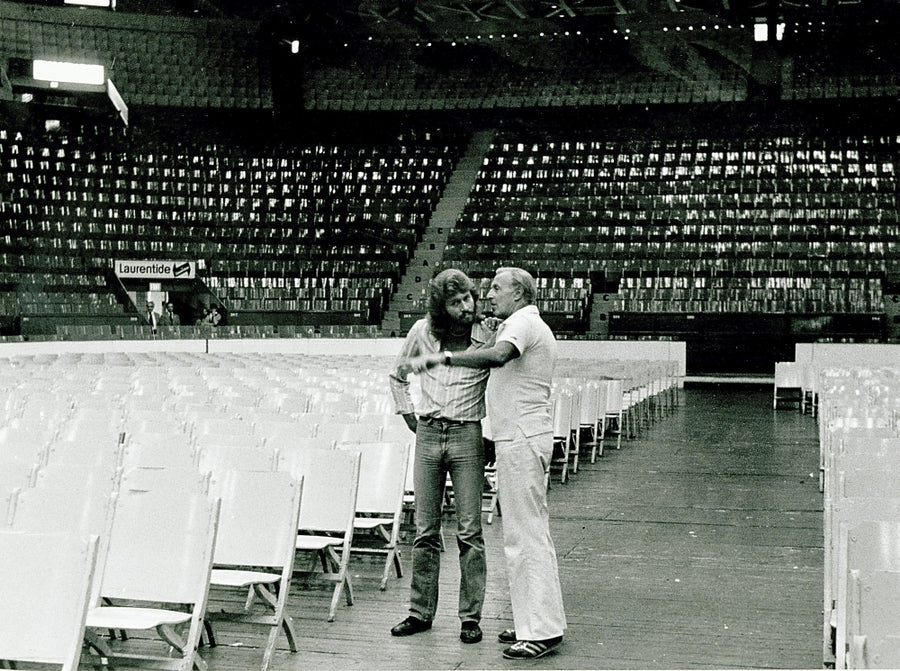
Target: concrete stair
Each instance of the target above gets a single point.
(407, 299)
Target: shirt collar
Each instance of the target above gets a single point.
(530, 309)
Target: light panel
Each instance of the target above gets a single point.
(69, 73)
(92, 3)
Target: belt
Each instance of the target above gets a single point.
(448, 422)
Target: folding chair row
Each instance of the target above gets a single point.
(859, 453)
(153, 546)
(588, 408)
(379, 497)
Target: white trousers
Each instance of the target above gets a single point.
(534, 590)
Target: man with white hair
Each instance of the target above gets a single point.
(519, 410)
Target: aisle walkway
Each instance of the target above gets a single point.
(697, 546)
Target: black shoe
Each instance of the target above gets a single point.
(470, 632)
(507, 636)
(409, 626)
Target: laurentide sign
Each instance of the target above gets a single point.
(156, 270)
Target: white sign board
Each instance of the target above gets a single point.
(156, 270)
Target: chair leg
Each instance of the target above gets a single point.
(169, 635)
(266, 595)
(392, 558)
(248, 602)
(576, 450)
(620, 430)
(287, 624)
(600, 432)
(398, 568)
(270, 648)
(564, 475)
(92, 640)
(210, 634)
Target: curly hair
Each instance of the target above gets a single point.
(443, 286)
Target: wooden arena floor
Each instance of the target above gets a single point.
(698, 545)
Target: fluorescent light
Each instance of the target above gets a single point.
(92, 3)
(70, 73)
(761, 32)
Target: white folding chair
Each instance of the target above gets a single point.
(164, 479)
(592, 412)
(23, 443)
(243, 440)
(106, 452)
(342, 432)
(327, 513)
(16, 471)
(255, 547)
(566, 417)
(600, 423)
(788, 386)
(73, 508)
(8, 496)
(215, 458)
(46, 586)
(160, 552)
(150, 420)
(865, 547)
(221, 427)
(873, 623)
(159, 450)
(98, 477)
(379, 502)
(615, 408)
(271, 428)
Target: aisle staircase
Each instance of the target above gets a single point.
(406, 304)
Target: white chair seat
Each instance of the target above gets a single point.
(123, 617)
(316, 543)
(236, 578)
(371, 522)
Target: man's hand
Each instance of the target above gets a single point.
(422, 363)
(491, 323)
(411, 421)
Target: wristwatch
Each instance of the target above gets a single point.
(448, 357)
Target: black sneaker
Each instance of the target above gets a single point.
(507, 636)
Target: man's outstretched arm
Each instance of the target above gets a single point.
(487, 357)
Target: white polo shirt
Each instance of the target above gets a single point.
(518, 393)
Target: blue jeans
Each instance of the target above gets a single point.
(454, 448)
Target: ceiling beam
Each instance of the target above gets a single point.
(515, 9)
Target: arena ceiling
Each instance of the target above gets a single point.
(450, 17)
(405, 22)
